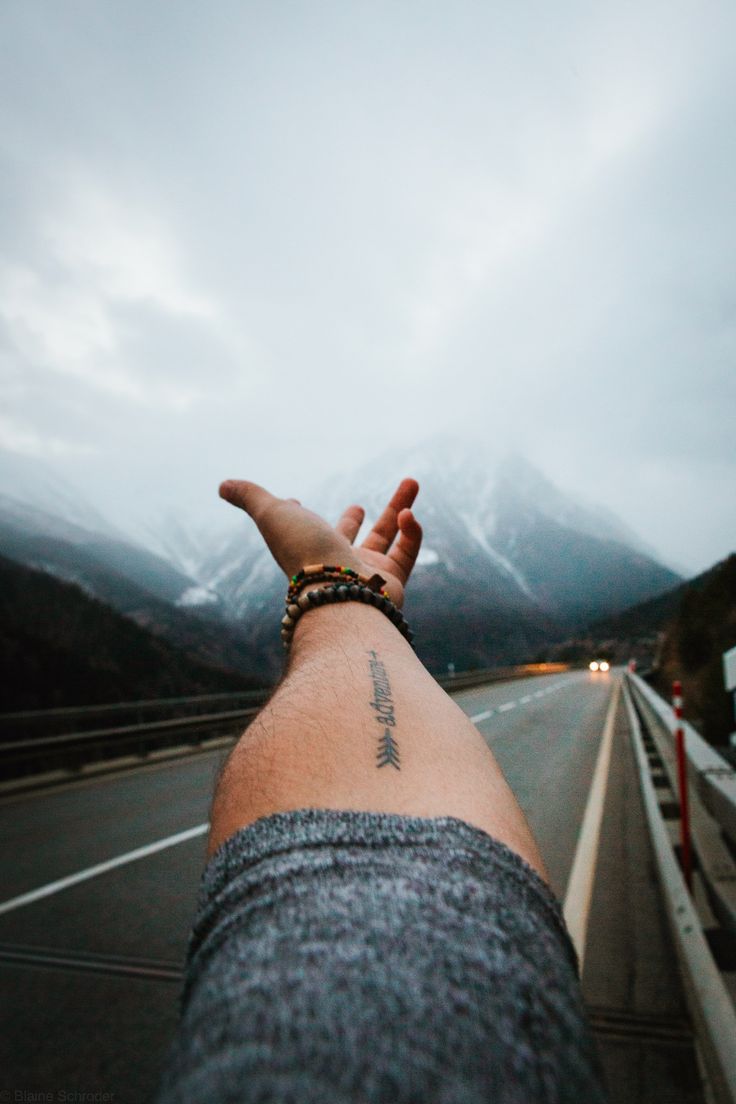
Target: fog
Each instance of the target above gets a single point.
(271, 241)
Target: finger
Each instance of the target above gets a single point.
(383, 532)
(404, 553)
(247, 496)
(350, 522)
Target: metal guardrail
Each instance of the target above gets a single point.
(33, 755)
(21, 758)
(708, 1000)
(715, 862)
(47, 721)
(713, 776)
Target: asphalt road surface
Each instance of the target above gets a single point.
(90, 970)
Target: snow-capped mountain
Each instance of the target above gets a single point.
(104, 565)
(48, 524)
(509, 561)
(134, 581)
(501, 527)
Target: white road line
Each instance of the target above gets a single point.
(101, 868)
(580, 885)
(477, 717)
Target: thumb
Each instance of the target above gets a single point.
(247, 496)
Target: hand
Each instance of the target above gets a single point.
(297, 537)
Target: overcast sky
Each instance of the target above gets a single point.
(270, 239)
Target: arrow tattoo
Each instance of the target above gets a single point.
(388, 751)
(385, 715)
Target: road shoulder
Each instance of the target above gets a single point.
(631, 980)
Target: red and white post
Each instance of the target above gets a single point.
(687, 862)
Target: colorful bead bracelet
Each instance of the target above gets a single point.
(319, 573)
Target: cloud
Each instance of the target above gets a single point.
(269, 241)
(123, 253)
(102, 282)
(54, 322)
(26, 441)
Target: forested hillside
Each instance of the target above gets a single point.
(701, 630)
(60, 647)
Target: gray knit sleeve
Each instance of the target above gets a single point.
(365, 958)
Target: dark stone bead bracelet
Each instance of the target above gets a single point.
(339, 592)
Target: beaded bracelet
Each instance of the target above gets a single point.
(318, 573)
(341, 592)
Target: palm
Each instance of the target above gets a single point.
(297, 537)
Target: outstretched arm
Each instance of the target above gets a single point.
(357, 722)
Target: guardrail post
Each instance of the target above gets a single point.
(687, 868)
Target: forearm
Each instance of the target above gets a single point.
(358, 723)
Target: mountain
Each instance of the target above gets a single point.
(92, 559)
(508, 562)
(60, 647)
(645, 620)
(578, 561)
(47, 523)
(52, 529)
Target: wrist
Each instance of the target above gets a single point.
(341, 628)
(324, 585)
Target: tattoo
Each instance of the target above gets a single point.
(382, 703)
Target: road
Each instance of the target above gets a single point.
(90, 971)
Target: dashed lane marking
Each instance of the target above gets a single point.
(486, 713)
(101, 868)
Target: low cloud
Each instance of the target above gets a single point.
(271, 243)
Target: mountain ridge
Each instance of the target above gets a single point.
(509, 561)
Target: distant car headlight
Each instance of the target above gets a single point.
(593, 665)
(604, 666)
